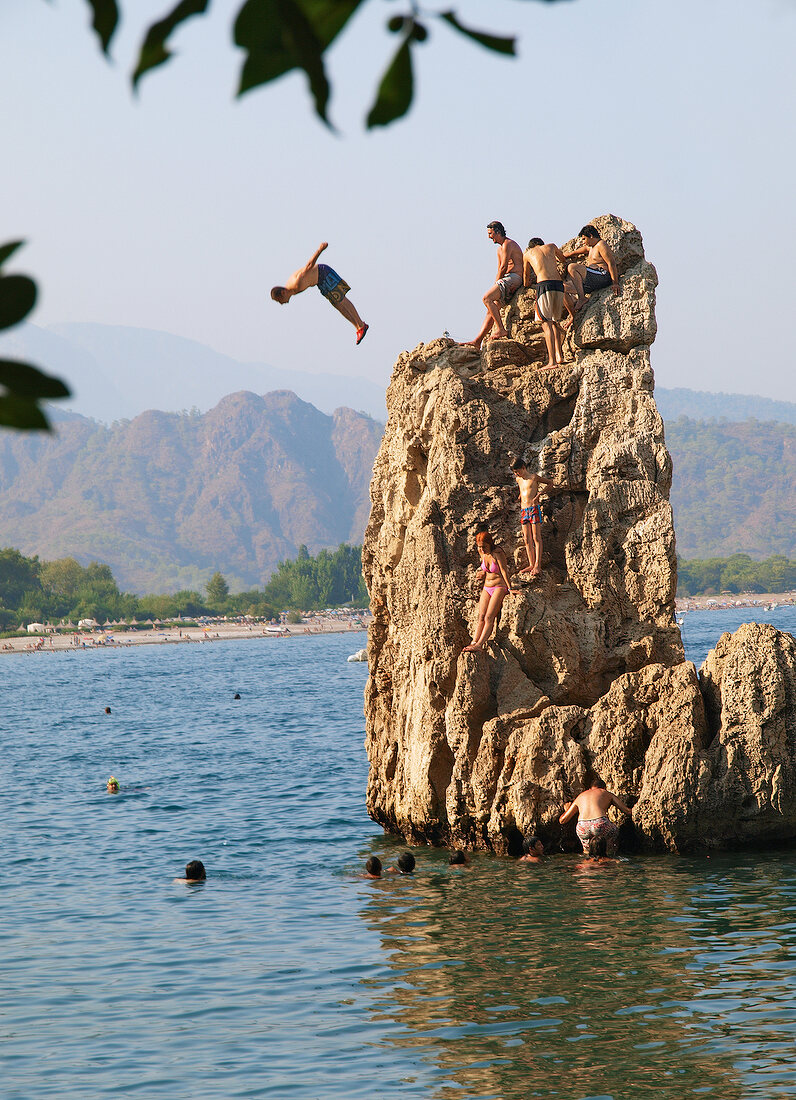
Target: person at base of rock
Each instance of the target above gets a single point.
(530, 514)
(507, 282)
(330, 284)
(194, 873)
(496, 587)
(591, 808)
(597, 272)
(532, 850)
(543, 260)
(373, 868)
(458, 859)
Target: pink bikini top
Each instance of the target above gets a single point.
(493, 568)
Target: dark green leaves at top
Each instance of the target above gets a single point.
(394, 96)
(281, 35)
(106, 19)
(489, 41)
(154, 51)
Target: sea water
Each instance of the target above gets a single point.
(288, 975)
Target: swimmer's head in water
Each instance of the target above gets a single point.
(532, 846)
(457, 857)
(113, 785)
(195, 871)
(373, 866)
(406, 863)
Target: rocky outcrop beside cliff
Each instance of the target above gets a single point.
(586, 669)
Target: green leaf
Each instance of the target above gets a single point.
(394, 96)
(106, 19)
(7, 250)
(17, 298)
(490, 41)
(23, 413)
(154, 51)
(25, 380)
(281, 35)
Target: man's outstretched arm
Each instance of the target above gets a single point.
(621, 806)
(308, 266)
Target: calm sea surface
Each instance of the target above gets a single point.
(287, 975)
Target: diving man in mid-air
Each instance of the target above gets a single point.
(331, 286)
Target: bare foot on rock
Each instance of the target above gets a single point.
(473, 649)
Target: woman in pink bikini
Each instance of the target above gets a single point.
(496, 587)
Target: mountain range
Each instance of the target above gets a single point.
(169, 498)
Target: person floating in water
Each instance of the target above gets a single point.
(543, 260)
(597, 272)
(532, 850)
(458, 859)
(594, 825)
(405, 864)
(113, 785)
(194, 873)
(496, 587)
(330, 284)
(373, 868)
(530, 514)
(507, 283)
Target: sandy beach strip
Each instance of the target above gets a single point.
(761, 600)
(110, 638)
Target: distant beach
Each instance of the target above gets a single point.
(117, 637)
(726, 601)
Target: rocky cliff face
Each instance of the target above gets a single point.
(586, 669)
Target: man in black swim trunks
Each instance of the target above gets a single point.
(331, 286)
(597, 272)
(543, 259)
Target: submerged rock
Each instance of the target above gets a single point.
(586, 670)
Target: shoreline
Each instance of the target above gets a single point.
(763, 601)
(80, 641)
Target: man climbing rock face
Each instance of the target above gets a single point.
(331, 285)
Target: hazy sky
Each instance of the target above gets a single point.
(179, 209)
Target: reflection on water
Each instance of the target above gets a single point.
(662, 977)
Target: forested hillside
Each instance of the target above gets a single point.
(734, 488)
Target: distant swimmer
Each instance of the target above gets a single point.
(113, 785)
(599, 270)
(194, 873)
(496, 587)
(532, 850)
(594, 825)
(406, 864)
(330, 284)
(543, 260)
(458, 859)
(373, 868)
(507, 283)
(107, 710)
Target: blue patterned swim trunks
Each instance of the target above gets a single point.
(331, 286)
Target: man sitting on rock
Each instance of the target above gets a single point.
(507, 283)
(597, 272)
(591, 808)
(543, 260)
(330, 284)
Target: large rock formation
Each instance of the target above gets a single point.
(586, 670)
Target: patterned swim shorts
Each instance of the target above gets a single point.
(509, 285)
(331, 285)
(531, 515)
(595, 828)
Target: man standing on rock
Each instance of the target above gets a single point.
(593, 822)
(597, 272)
(530, 514)
(330, 284)
(543, 260)
(507, 283)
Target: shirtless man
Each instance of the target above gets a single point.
(507, 283)
(530, 515)
(532, 850)
(593, 822)
(543, 260)
(597, 272)
(331, 286)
